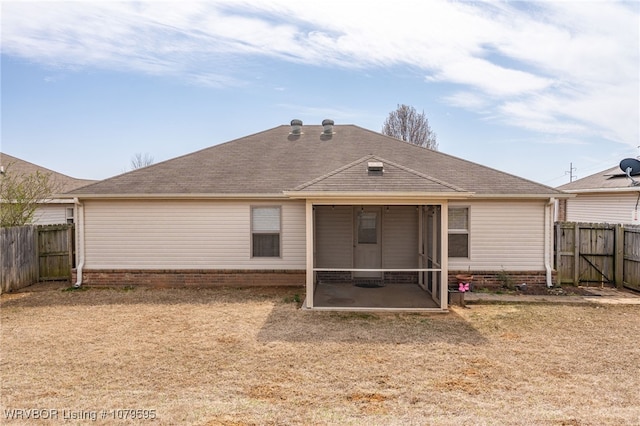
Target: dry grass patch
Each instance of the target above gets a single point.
(251, 357)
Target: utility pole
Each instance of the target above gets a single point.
(570, 172)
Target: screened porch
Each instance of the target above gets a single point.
(377, 257)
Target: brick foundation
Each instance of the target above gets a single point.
(333, 276)
(347, 276)
(296, 278)
(501, 279)
(191, 278)
(401, 278)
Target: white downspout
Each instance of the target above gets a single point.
(80, 240)
(548, 227)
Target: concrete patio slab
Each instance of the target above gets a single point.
(392, 296)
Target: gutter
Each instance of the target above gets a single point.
(80, 237)
(548, 226)
(189, 196)
(360, 196)
(559, 195)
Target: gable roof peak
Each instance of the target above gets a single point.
(401, 172)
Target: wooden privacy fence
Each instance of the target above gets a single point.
(55, 252)
(35, 253)
(597, 253)
(19, 257)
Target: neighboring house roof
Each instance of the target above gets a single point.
(276, 161)
(610, 180)
(62, 182)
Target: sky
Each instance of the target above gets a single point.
(544, 90)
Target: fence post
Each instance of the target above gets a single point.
(576, 254)
(36, 236)
(557, 246)
(70, 249)
(619, 256)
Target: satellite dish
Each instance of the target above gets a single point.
(631, 166)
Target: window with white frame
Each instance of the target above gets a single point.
(265, 231)
(459, 232)
(69, 215)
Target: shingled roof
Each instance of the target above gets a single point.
(276, 161)
(63, 183)
(357, 177)
(610, 179)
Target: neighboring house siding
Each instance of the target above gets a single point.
(609, 208)
(198, 234)
(334, 236)
(505, 235)
(51, 214)
(400, 237)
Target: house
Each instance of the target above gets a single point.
(324, 207)
(605, 197)
(57, 210)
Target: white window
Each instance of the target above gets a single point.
(265, 231)
(69, 215)
(459, 232)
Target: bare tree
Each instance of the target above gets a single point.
(20, 195)
(407, 124)
(139, 161)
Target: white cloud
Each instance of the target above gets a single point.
(557, 67)
(467, 100)
(494, 80)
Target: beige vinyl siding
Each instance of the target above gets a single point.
(334, 236)
(609, 208)
(195, 234)
(400, 237)
(51, 214)
(504, 234)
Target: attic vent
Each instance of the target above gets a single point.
(327, 124)
(375, 167)
(296, 127)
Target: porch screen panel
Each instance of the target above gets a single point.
(334, 236)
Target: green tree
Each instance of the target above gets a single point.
(20, 195)
(407, 124)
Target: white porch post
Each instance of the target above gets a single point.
(310, 245)
(444, 260)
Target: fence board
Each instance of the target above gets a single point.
(565, 243)
(631, 266)
(54, 252)
(596, 253)
(19, 257)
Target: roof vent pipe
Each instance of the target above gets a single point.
(328, 126)
(296, 127)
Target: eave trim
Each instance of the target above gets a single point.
(178, 196)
